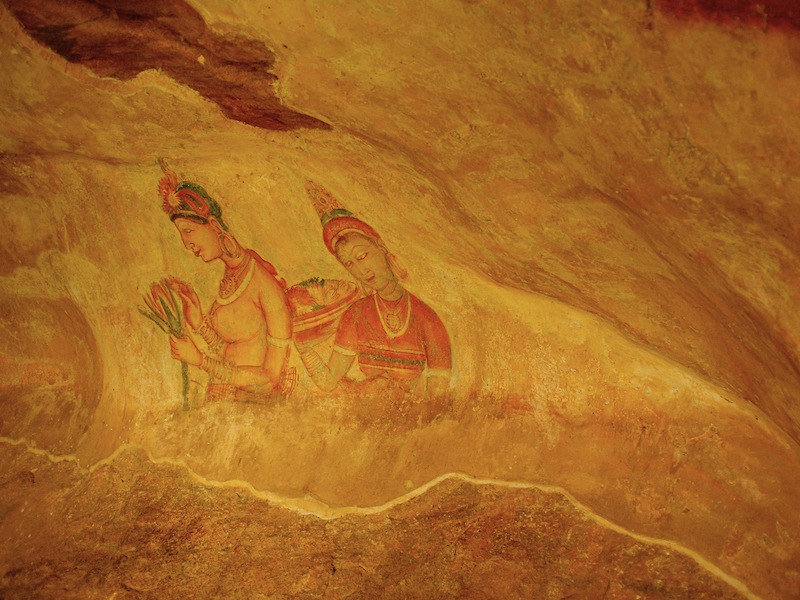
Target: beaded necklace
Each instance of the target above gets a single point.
(235, 280)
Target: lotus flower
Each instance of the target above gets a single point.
(164, 309)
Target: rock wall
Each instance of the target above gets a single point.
(597, 200)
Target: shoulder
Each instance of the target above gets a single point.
(265, 277)
(363, 303)
(360, 307)
(267, 287)
(263, 269)
(264, 273)
(352, 321)
(422, 310)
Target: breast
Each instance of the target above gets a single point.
(239, 321)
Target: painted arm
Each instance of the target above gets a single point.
(275, 310)
(326, 376)
(439, 363)
(437, 401)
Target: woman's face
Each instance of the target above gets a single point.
(366, 261)
(200, 238)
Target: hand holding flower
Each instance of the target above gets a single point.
(185, 350)
(192, 310)
(163, 309)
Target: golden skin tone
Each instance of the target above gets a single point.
(368, 263)
(245, 324)
(201, 238)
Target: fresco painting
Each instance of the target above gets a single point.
(396, 345)
(407, 315)
(399, 344)
(246, 332)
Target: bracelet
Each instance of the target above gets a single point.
(210, 336)
(278, 342)
(312, 362)
(220, 371)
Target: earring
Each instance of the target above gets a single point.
(229, 245)
(398, 269)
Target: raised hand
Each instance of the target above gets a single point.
(192, 310)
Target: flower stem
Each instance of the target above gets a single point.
(185, 379)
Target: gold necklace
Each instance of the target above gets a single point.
(233, 277)
(392, 323)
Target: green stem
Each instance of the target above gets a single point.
(185, 379)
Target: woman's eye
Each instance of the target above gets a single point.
(362, 256)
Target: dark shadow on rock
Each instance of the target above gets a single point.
(120, 39)
(765, 14)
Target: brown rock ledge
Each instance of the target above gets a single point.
(130, 528)
(121, 39)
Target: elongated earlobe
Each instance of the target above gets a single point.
(230, 247)
(216, 225)
(398, 269)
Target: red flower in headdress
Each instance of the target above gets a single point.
(181, 196)
(167, 190)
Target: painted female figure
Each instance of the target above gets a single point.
(391, 334)
(248, 327)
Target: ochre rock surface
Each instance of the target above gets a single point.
(162, 534)
(52, 373)
(598, 199)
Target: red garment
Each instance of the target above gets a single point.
(270, 269)
(424, 344)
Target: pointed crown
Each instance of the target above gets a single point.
(325, 203)
(336, 220)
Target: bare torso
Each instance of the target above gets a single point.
(249, 322)
(241, 323)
